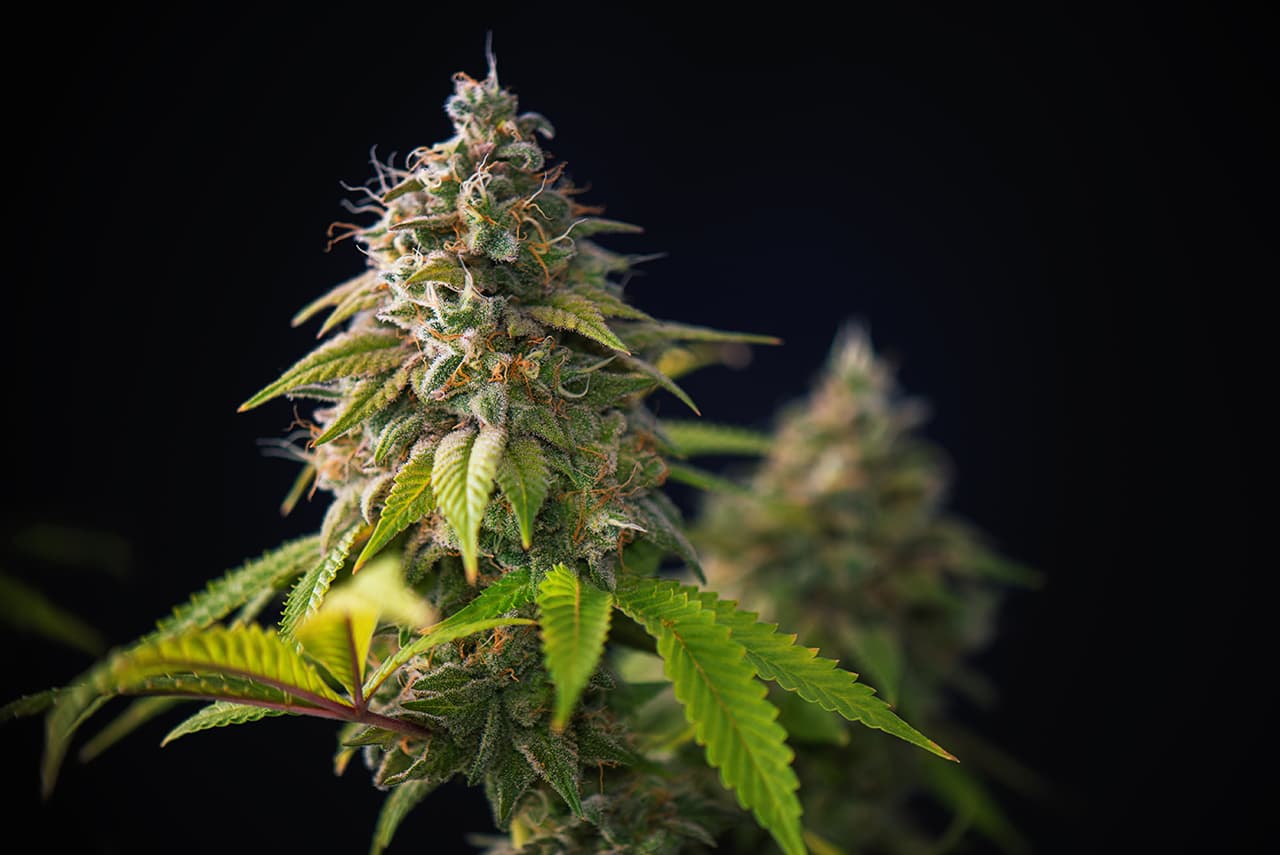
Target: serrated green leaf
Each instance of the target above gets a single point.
(409, 501)
(799, 669)
(134, 716)
(555, 760)
(338, 635)
(395, 808)
(27, 610)
(695, 438)
(524, 480)
(256, 663)
(662, 380)
(348, 355)
(576, 314)
(72, 708)
(309, 592)
(511, 591)
(724, 702)
(368, 397)
(219, 714)
(574, 616)
(246, 664)
(462, 479)
(268, 572)
(334, 296)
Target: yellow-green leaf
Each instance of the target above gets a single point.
(338, 635)
(574, 616)
(462, 479)
(511, 591)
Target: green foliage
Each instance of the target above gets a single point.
(490, 345)
(271, 571)
(574, 616)
(466, 462)
(245, 664)
(570, 312)
(138, 713)
(349, 355)
(722, 699)
(524, 480)
(511, 592)
(219, 714)
(842, 533)
(309, 592)
(799, 669)
(339, 633)
(367, 397)
(408, 502)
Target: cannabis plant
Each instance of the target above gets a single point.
(843, 534)
(495, 537)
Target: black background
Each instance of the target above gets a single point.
(1046, 217)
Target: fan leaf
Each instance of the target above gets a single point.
(574, 616)
(799, 669)
(722, 699)
(138, 713)
(335, 296)
(244, 663)
(662, 380)
(269, 572)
